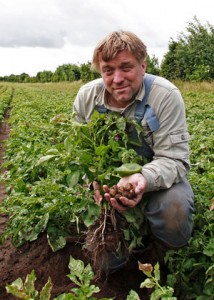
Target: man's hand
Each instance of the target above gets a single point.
(138, 181)
(97, 195)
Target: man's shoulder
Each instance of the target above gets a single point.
(94, 84)
(164, 83)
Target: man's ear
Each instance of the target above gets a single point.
(143, 65)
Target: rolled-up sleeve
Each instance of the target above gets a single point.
(170, 143)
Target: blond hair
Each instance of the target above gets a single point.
(115, 42)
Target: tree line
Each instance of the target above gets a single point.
(190, 57)
(65, 72)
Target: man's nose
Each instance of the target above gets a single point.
(118, 76)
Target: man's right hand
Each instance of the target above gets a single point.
(138, 181)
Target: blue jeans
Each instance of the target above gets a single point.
(169, 213)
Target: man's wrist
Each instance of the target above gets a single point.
(149, 186)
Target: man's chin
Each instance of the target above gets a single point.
(122, 98)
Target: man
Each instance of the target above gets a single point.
(127, 89)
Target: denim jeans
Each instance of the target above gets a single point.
(169, 213)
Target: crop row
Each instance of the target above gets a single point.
(39, 181)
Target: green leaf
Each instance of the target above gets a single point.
(53, 151)
(164, 293)
(148, 283)
(130, 216)
(128, 169)
(29, 284)
(77, 268)
(209, 248)
(45, 159)
(133, 296)
(39, 227)
(91, 214)
(23, 291)
(102, 150)
(18, 283)
(45, 293)
(157, 271)
(73, 178)
(16, 292)
(56, 237)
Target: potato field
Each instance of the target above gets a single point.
(47, 207)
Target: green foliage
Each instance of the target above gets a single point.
(6, 94)
(41, 176)
(26, 290)
(132, 296)
(191, 57)
(87, 74)
(153, 282)
(152, 65)
(45, 76)
(80, 275)
(67, 72)
(50, 162)
(189, 266)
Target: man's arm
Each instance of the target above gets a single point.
(170, 145)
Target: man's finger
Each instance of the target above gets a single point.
(97, 196)
(120, 208)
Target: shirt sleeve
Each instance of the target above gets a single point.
(78, 109)
(170, 144)
(86, 100)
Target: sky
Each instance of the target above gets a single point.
(40, 35)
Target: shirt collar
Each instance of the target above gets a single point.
(140, 93)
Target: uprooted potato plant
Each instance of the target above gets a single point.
(100, 150)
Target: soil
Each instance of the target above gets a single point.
(38, 256)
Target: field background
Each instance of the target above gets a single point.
(39, 120)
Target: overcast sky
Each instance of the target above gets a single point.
(38, 35)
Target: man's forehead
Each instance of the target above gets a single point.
(121, 55)
(118, 60)
(112, 62)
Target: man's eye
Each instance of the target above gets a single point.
(108, 71)
(127, 69)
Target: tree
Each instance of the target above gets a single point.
(152, 65)
(23, 77)
(67, 72)
(192, 56)
(45, 76)
(87, 74)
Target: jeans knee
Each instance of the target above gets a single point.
(170, 216)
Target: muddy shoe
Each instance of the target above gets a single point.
(114, 262)
(108, 263)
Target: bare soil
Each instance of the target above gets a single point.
(38, 256)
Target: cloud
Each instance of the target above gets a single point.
(30, 24)
(41, 34)
(50, 24)
(55, 23)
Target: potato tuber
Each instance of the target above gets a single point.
(122, 191)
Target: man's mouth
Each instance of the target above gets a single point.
(121, 88)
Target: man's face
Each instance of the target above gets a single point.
(122, 77)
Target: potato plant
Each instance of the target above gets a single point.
(59, 158)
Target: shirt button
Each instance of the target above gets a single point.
(182, 137)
